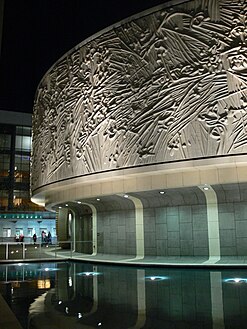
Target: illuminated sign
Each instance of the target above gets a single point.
(20, 216)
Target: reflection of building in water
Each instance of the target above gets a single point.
(139, 135)
(85, 296)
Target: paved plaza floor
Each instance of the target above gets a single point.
(30, 252)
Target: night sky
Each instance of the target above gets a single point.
(36, 33)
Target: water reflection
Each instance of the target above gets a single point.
(76, 295)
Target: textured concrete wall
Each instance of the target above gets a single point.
(167, 86)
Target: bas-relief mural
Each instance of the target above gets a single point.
(168, 86)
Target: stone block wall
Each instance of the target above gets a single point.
(180, 230)
(233, 228)
(176, 231)
(117, 232)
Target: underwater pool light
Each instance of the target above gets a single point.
(156, 278)
(236, 280)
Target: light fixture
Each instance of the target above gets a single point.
(236, 280)
(98, 199)
(66, 205)
(60, 207)
(206, 188)
(79, 202)
(125, 196)
(156, 278)
(162, 192)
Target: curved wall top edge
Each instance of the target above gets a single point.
(168, 86)
(227, 170)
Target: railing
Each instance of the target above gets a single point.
(28, 240)
(60, 249)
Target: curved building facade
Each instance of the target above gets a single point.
(139, 134)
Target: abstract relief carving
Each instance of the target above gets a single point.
(167, 86)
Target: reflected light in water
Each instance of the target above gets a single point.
(156, 278)
(48, 269)
(236, 280)
(89, 273)
(44, 284)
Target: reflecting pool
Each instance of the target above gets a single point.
(75, 295)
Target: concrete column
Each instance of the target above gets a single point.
(62, 225)
(213, 224)
(94, 227)
(139, 227)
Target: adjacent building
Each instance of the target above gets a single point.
(18, 215)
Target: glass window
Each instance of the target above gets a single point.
(26, 143)
(23, 143)
(30, 232)
(22, 168)
(6, 232)
(4, 164)
(24, 131)
(3, 200)
(21, 199)
(19, 231)
(5, 141)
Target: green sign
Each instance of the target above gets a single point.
(20, 216)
